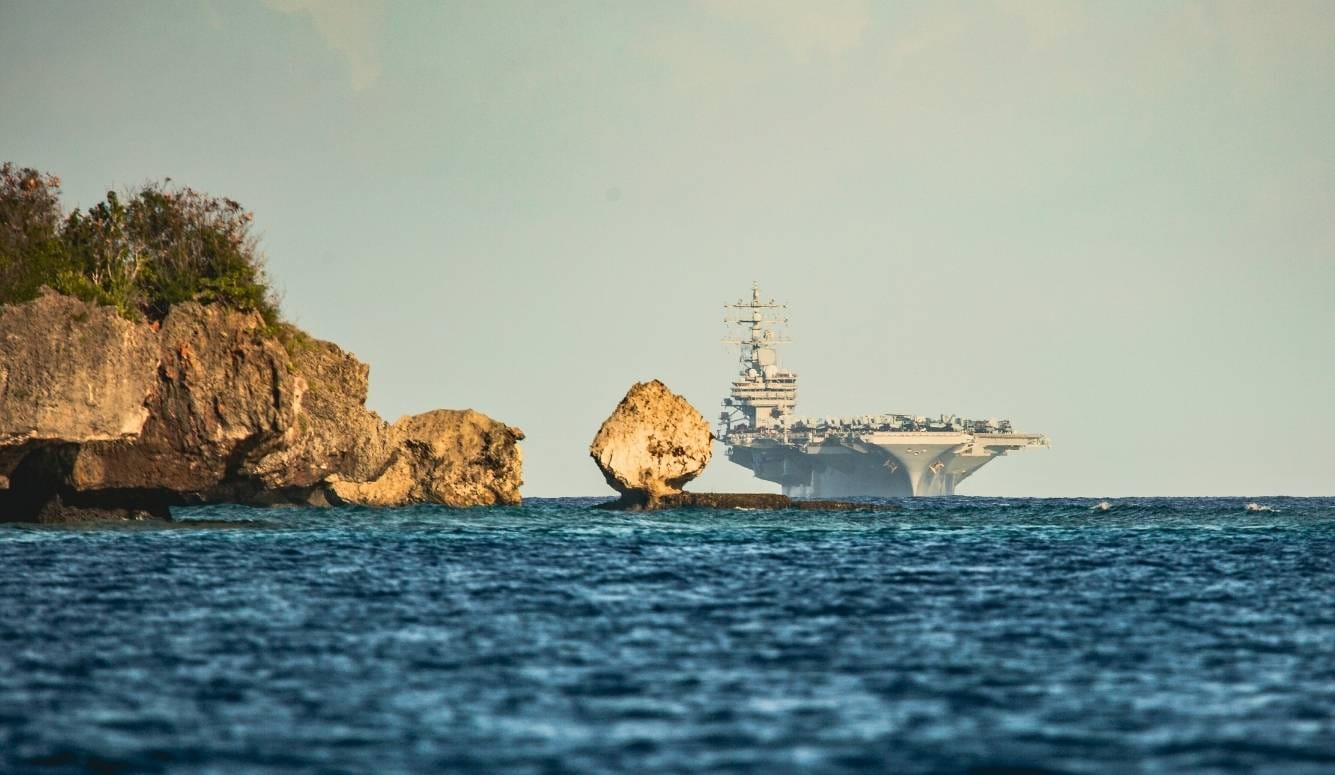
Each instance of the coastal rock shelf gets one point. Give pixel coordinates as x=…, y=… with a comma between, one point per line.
x=101, y=417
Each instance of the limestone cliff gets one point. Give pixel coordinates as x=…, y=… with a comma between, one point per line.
x=335, y=435
x=222, y=394
x=72, y=397
x=100, y=417
x=652, y=444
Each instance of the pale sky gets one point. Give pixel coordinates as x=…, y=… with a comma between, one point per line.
x=1113, y=223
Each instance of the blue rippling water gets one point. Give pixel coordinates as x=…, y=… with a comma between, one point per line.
x=1163, y=635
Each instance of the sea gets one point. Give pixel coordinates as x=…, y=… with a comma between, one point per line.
x=952, y=635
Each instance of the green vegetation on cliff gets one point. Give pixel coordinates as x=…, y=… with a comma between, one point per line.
x=157, y=246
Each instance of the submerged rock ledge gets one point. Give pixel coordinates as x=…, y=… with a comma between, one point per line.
x=758, y=500
x=101, y=417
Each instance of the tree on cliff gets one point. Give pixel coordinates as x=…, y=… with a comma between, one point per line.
x=159, y=246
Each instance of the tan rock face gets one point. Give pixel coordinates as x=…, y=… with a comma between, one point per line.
x=99, y=415
x=224, y=394
x=452, y=457
x=335, y=433
x=653, y=443
x=97, y=371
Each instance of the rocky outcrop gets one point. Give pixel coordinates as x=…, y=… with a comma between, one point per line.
x=653, y=443
x=335, y=436
x=101, y=417
x=458, y=458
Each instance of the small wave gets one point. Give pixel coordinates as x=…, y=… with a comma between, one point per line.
x=1102, y=506
x=1258, y=507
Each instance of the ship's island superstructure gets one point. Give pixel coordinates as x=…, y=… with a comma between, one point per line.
x=888, y=455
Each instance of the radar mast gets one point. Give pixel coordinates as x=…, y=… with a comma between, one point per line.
x=763, y=393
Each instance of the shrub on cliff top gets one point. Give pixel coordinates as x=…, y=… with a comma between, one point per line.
x=160, y=246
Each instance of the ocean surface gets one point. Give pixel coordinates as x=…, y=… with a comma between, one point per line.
x=956, y=635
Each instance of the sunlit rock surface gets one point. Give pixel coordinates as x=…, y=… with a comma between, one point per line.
x=72, y=372
x=453, y=457
x=652, y=444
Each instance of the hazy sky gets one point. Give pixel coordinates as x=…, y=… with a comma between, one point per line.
x=1110, y=222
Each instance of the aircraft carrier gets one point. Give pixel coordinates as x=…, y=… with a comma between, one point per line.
x=887, y=455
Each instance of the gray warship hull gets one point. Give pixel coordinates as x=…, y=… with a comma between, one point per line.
x=880, y=464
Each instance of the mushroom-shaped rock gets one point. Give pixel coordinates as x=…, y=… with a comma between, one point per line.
x=653, y=443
